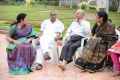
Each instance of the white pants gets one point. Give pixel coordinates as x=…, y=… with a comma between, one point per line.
x=46, y=42
x=40, y=56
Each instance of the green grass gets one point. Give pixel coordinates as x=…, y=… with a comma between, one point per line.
x=4, y=26
x=114, y=15
x=116, y=23
x=34, y=13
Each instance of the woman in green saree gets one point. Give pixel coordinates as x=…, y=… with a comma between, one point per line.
x=20, y=51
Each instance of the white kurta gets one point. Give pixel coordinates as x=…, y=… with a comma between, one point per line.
x=47, y=39
x=81, y=28
x=118, y=33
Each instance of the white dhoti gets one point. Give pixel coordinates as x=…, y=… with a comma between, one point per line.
x=46, y=42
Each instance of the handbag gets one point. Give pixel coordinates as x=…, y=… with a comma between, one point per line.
x=75, y=37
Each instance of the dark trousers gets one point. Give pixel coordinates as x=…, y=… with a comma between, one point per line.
x=68, y=50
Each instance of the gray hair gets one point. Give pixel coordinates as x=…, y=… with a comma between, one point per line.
x=53, y=11
x=81, y=12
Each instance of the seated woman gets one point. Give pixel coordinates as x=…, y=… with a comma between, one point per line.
x=94, y=54
x=20, y=52
x=95, y=26
x=114, y=53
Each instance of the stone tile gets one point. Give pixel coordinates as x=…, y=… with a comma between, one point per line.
x=50, y=71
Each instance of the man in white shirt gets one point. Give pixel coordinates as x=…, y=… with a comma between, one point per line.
x=51, y=30
x=79, y=28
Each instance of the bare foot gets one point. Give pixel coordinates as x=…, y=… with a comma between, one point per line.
x=62, y=67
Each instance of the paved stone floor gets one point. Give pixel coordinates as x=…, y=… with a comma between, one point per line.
x=50, y=71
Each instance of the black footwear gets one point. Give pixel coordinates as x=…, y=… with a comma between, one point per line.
x=91, y=68
x=39, y=67
x=80, y=64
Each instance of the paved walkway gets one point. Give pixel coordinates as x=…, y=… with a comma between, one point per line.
x=50, y=71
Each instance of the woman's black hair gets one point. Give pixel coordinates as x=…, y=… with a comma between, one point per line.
x=103, y=14
x=19, y=17
x=94, y=29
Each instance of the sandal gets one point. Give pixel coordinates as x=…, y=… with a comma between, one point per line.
x=39, y=67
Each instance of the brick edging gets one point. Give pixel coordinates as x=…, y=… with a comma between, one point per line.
x=3, y=32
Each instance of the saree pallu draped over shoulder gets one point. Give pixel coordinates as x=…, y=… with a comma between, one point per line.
x=21, y=57
x=94, y=55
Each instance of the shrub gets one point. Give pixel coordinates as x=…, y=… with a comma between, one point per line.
x=112, y=8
